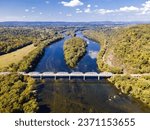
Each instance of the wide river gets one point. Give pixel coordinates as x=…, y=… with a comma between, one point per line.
x=78, y=95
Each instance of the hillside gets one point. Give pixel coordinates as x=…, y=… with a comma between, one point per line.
x=124, y=50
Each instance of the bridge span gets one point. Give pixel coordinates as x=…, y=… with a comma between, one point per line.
x=72, y=75
x=64, y=75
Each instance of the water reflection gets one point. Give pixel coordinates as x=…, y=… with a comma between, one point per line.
x=93, y=54
x=53, y=59
x=86, y=96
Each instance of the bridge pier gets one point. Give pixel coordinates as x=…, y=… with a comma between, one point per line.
x=41, y=77
x=84, y=78
x=69, y=77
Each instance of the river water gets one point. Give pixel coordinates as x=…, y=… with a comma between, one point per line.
x=54, y=61
x=78, y=95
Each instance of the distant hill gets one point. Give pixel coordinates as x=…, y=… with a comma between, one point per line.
x=24, y=23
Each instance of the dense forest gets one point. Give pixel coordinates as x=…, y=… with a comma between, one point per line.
x=124, y=50
x=17, y=94
x=74, y=49
x=136, y=87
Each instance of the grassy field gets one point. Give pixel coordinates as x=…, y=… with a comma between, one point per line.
x=15, y=57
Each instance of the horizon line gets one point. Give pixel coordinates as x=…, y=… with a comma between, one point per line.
x=75, y=21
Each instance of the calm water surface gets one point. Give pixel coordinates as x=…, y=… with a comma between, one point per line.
x=54, y=61
x=78, y=95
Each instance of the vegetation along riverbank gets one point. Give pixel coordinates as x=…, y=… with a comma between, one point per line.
x=125, y=50
x=17, y=94
x=27, y=61
x=74, y=49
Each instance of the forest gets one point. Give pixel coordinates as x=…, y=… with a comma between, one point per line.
x=17, y=94
x=15, y=38
x=139, y=88
x=74, y=49
x=124, y=50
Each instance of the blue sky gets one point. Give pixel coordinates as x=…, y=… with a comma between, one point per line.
x=75, y=10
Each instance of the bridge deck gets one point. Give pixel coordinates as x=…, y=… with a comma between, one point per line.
x=73, y=74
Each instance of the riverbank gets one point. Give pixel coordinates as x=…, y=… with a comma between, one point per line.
x=125, y=50
x=16, y=56
x=29, y=62
x=104, y=41
x=138, y=88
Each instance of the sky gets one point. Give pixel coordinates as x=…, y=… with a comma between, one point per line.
x=75, y=10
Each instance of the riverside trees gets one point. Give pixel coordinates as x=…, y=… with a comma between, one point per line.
x=126, y=50
x=17, y=94
x=74, y=49
x=123, y=50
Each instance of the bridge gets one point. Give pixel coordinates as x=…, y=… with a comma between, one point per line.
x=72, y=75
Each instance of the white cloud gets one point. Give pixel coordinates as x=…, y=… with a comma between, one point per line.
x=146, y=8
x=121, y=10
x=72, y=3
x=68, y=15
x=27, y=10
x=78, y=11
x=87, y=10
x=89, y=6
x=129, y=9
x=104, y=11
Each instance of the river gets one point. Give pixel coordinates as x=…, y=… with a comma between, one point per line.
x=78, y=95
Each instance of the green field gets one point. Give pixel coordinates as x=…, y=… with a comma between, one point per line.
x=16, y=56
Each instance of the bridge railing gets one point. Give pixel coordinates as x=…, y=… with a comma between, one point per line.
x=73, y=74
